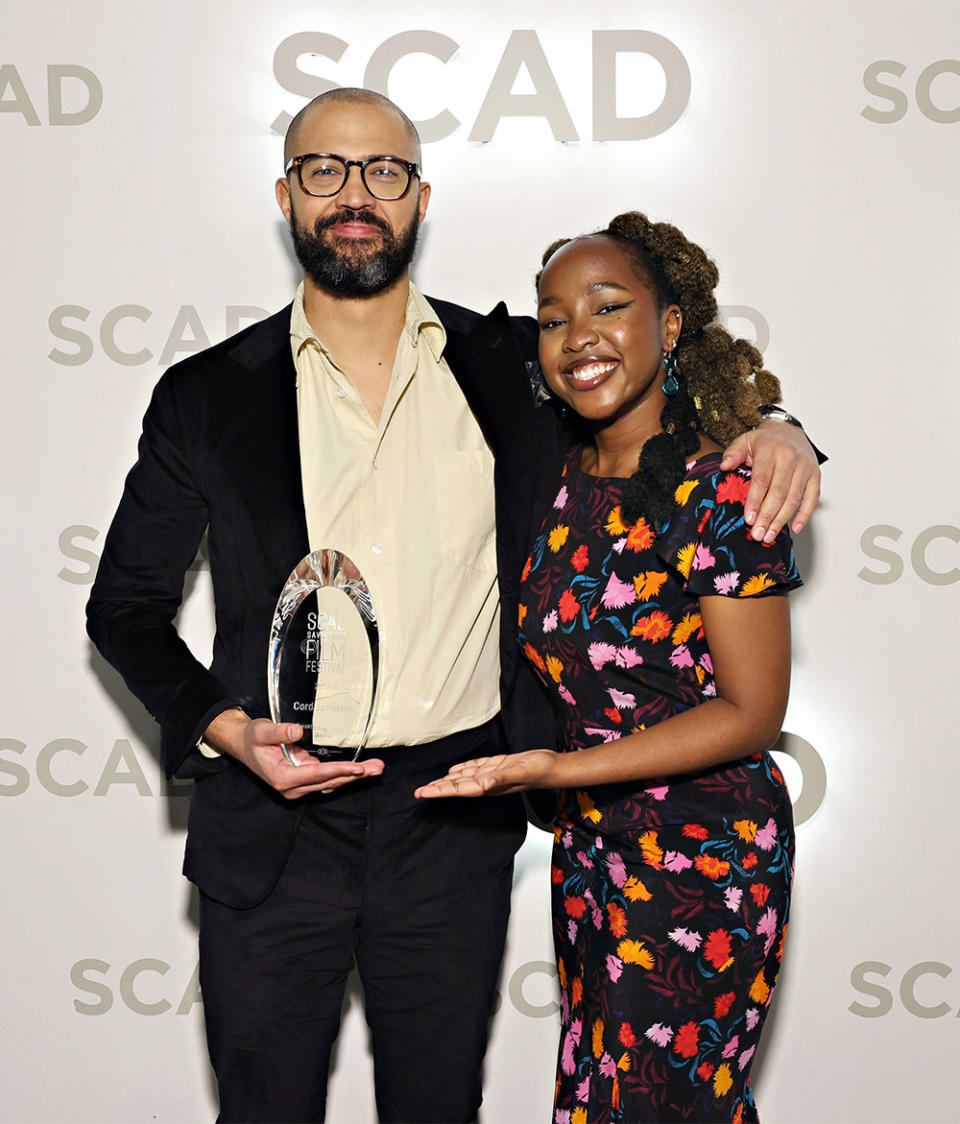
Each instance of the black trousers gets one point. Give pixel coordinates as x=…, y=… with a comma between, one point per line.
x=417, y=893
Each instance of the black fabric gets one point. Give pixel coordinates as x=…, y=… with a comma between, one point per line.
x=419, y=894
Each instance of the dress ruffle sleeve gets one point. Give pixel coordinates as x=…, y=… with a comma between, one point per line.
x=708, y=544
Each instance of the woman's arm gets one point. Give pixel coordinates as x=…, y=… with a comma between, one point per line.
x=749, y=641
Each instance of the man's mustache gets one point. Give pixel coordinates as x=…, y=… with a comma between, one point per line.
x=346, y=214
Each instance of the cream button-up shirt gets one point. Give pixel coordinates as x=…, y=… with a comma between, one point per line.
x=410, y=501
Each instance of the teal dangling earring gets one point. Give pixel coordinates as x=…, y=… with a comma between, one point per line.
x=670, y=384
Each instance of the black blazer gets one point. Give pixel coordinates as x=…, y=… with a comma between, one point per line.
x=219, y=451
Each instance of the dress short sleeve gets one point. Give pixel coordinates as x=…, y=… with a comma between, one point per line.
x=707, y=540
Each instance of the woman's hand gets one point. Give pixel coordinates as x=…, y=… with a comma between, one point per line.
x=496, y=776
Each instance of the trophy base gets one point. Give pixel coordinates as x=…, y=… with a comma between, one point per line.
x=322, y=752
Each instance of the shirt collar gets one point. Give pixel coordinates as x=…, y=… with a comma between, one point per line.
x=420, y=319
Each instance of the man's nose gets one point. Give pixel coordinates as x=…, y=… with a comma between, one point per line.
x=354, y=193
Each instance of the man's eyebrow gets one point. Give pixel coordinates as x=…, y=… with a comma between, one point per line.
x=594, y=288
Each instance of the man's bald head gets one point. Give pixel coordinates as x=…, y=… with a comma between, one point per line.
x=351, y=95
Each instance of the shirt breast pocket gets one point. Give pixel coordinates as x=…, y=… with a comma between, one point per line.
x=464, y=483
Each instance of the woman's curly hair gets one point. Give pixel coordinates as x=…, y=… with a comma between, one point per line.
x=722, y=379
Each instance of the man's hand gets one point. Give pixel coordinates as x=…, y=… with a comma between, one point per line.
x=495, y=776
x=257, y=743
x=785, y=477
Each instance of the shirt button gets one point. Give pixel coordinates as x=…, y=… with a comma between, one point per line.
x=342, y=392
x=377, y=547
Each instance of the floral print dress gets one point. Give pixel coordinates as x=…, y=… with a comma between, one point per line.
x=670, y=896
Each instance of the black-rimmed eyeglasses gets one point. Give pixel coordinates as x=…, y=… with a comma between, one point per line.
x=323, y=174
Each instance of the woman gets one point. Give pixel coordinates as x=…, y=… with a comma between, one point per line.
x=653, y=620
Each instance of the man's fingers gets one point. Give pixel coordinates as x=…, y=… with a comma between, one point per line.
x=811, y=497
x=736, y=453
x=768, y=491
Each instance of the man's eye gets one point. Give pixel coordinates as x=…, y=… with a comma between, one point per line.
x=383, y=172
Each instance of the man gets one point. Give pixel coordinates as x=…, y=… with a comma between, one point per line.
x=363, y=418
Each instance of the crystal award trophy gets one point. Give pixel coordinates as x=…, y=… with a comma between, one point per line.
x=323, y=662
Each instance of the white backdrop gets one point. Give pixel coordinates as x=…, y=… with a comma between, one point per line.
x=812, y=148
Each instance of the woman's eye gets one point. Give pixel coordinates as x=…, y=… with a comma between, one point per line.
x=545, y=325
x=609, y=308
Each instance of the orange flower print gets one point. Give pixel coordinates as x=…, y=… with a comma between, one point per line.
x=579, y=1115
x=555, y=668
x=651, y=850
x=636, y=891
x=588, y=809
x=576, y=992
x=722, y=1081
x=716, y=950
x=733, y=488
x=712, y=867
x=686, y=1042
x=534, y=657
x=690, y=624
x=526, y=570
x=576, y=907
x=624, y=1062
x=722, y=1004
x=635, y=952
x=746, y=829
x=685, y=558
x=569, y=606
x=695, y=831
x=615, y=524
x=649, y=583
x=626, y=1035
x=760, y=989
x=580, y=559
x=597, y=1038
x=749, y=860
x=757, y=584
x=738, y=1114
x=613, y=714
x=557, y=537
x=618, y=919
x=640, y=536
x=556, y=875
x=682, y=494
x=654, y=626
x=705, y=1071
x=521, y=615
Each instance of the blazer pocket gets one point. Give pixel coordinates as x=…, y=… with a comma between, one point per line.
x=464, y=484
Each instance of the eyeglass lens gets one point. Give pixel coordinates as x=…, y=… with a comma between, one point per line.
x=325, y=175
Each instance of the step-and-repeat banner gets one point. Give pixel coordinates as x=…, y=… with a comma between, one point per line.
x=813, y=148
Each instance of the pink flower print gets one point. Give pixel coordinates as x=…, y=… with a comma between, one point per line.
x=567, y=840
x=572, y=931
x=622, y=700
x=576, y=1030
x=767, y=835
x=619, y=545
x=709, y=690
x=562, y=1115
x=565, y=695
x=608, y=1067
x=584, y=861
x=733, y=895
x=767, y=925
x=561, y=500
x=627, y=657
x=604, y=735
x=566, y=1055
x=583, y=1089
x=618, y=593
x=659, y=1033
x=745, y=1057
x=600, y=654
x=614, y=967
x=658, y=793
x=618, y=871
x=597, y=917
x=550, y=621
x=703, y=559
x=686, y=939
x=564, y=1007
x=706, y=663
x=753, y=1017
x=676, y=862
x=731, y=1047
x=725, y=584
x=680, y=656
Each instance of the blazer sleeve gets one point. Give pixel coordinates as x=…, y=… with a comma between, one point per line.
x=150, y=545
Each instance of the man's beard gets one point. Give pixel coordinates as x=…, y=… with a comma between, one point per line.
x=350, y=267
